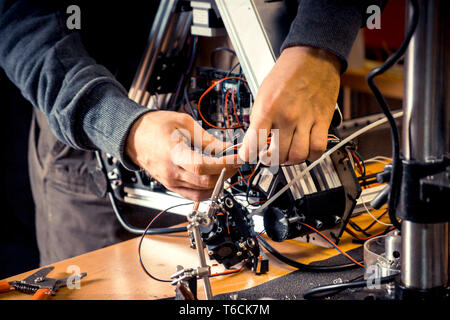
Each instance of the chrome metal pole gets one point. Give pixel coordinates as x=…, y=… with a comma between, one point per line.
x=425, y=255
x=427, y=92
x=426, y=138
x=203, y=265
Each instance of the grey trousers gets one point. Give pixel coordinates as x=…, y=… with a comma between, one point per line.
x=72, y=214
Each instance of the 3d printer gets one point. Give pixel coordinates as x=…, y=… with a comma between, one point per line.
x=284, y=201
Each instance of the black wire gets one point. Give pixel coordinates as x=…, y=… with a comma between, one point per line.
x=396, y=165
x=335, y=291
x=138, y=231
x=146, y=232
x=249, y=187
x=232, y=69
x=368, y=176
x=374, y=221
x=118, y=214
x=358, y=228
x=362, y=162
x=188, y=102
x=213, y=61
x=326, y=290
x=304, y=267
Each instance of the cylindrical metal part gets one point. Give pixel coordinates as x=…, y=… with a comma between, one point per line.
x=424, y=255
x=426, y=135
x=202, y=258
x=426, y=138
x=393, y=247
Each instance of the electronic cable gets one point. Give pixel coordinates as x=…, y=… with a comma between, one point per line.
x=350, y=232
x=305, y=267
x=139, y=231
x=146, y=232
x=326, y=290
x=357, y=228
x=206, y=92
x=188, y=102
x=332, y=292
x=301, y=266
x=118, y=214
x=333, y=244
x=375, y=221
x=324, y=155
x=234, y=67
x=213, y=53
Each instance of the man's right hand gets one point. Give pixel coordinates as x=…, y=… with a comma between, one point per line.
x=157, y=143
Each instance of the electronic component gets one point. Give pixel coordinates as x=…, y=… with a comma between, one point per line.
x=324, y=198
x=205, y=19
x=231, y=238
x=229, y=102
x=222, y=100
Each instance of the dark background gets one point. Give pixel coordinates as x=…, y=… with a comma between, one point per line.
x=18, y=248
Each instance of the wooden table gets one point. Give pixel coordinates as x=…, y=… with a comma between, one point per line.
x=115, y=273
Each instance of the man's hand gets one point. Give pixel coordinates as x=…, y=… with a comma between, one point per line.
x=160, y=143
x=298, y=98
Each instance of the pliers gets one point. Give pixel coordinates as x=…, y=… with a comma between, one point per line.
x=38, y=284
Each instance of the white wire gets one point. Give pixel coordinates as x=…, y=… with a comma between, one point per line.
x=352, y=161
x=324, y=155
x=224, y=152
x=379, y=159
x=382, y=157
x=370, y=214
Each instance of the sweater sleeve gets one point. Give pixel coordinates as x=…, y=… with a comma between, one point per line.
x=329, y=24
x=86, y=107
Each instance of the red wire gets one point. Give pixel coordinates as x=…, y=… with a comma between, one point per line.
x=228, y=272
x=196, y=204
x=228, y=227
x=261, y=233
x=235, y=112
x=358, y=162
x=333, y=244
x=243, y=179
x=227, y=119
x=350, y=232
x=206, y=92
x=256, y=202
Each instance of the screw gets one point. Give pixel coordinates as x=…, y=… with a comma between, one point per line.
x=318, y=224
x=38, y=279
x=228, y=202
x=337, y=219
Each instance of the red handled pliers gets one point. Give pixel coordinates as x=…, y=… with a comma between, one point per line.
x=38, y=284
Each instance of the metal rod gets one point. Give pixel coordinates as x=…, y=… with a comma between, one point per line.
x=148, y=61
x=426, y=132
x=424, y=255
x=202, y=259
x=424, y=261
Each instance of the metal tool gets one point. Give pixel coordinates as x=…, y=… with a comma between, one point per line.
x=218, y=190
x=39, y=285
x=184, y=277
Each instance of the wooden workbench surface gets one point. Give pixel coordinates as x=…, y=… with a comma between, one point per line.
x=114, y=272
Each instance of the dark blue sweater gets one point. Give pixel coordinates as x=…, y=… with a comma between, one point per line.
x=86, y=106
